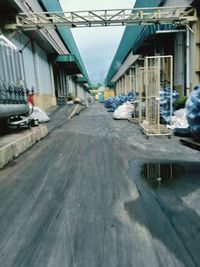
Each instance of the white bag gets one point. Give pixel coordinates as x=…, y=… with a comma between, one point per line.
x=39, y=115
x=124, y=112
x=179, y=119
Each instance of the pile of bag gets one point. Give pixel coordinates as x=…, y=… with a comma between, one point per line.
x=193, y=112
x=124, y=112
x=179, y=120
x=39, y=115
x=165, y=100
x=112, y=103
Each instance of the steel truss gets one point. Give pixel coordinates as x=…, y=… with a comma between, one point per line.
x=98, y=18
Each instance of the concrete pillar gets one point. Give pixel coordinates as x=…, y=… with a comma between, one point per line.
x=36, y=69
x=52, y=79
x=117, y=88
x=130, y=81
x=125, y=84
x=194, y=55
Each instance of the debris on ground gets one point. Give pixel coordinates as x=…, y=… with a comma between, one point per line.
x=77, y=101
x=193, y=112
x=39, y=115
x=124, y=112
x=71, y=102
x=76, y=111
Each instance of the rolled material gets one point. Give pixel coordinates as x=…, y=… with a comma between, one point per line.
x=8, y=110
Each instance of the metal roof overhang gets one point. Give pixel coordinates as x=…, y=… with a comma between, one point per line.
x=67, y=37
x=148, y=32
x=84, y=83
x=125, y=66
x=69, y=63
x=81, y=80
x=42, y=41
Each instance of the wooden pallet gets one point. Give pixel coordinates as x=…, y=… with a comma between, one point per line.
x=191, y=143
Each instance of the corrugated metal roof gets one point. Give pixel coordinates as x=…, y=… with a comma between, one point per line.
x=65, y=33
x=130, y=36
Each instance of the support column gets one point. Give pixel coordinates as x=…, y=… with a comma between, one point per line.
x=125, y=83
x=130, y=81
x=36, y=71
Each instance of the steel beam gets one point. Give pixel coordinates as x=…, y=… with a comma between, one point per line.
x=100, y=18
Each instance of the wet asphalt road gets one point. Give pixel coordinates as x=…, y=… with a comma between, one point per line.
x=77, y=199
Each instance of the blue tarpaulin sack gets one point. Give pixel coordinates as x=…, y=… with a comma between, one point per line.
x=193, y=112
x=165, y=106
x=112, y=103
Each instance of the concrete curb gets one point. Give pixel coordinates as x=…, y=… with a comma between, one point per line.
x=14, y=146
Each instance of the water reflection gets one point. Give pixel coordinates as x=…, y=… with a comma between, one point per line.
x=158, y=174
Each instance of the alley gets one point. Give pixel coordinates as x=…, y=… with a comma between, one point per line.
x=77, y=199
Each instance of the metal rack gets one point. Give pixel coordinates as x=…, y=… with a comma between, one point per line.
x=158, y=73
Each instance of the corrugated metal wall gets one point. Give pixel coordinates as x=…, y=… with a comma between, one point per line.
x=11, y=90
x=36, y=66
x=44, y=71
x=23, y=44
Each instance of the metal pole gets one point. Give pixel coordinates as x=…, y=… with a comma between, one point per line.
x=158, y=94
x=146, y=82
x=171, y=86
x=187, y=61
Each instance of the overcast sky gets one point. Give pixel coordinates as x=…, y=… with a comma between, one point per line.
x=97, y=46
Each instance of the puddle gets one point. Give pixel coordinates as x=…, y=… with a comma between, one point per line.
x=160, y=174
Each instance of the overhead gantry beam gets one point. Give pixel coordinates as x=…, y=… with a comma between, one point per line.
x=98, y=18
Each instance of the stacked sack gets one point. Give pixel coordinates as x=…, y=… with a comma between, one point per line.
x=165, y=100
x=112, y=103
x=193, y=112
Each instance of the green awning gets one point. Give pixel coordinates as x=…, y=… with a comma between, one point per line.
x=81, y=80
x=69, y=63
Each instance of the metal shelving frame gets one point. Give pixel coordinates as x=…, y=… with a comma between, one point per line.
x=158, y=73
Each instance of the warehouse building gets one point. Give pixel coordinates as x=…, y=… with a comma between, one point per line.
x=178, y=41
x=44, y=61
